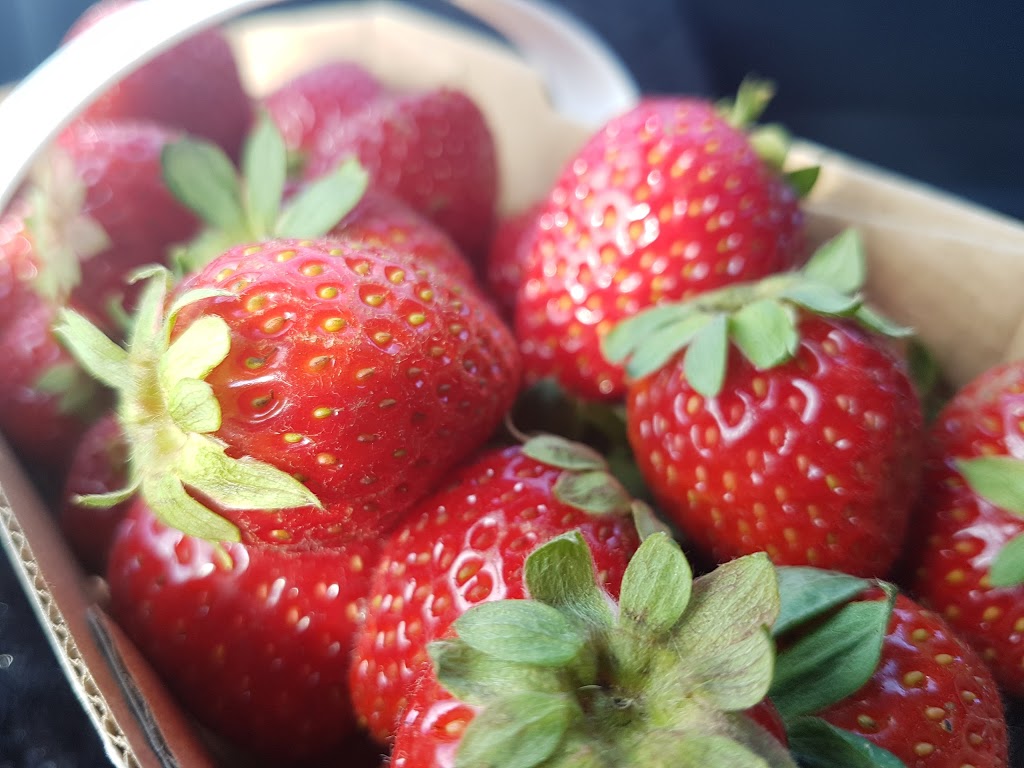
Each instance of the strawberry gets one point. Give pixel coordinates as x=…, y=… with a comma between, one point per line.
x=433, y=149
x=664, y=202
x=779, y=429
x=253, y=641
x=98, y=465
x=967, y=564
x=195, y=86
x=260, y=205
x=866, y=677
x=506, y=257
x=46, y=400
x=316, y=99
x=18, y=266
x=314, y=390
x=466, y=544
x=666, y=675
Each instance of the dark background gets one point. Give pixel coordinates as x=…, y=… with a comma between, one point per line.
x=931, y=88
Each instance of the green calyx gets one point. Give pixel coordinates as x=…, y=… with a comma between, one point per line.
x=169, y=415
x=62, y=235
x=250, y=207
x=585, y=482
x=760, y=318
x=569, y=677
x=771, y=141
x=831, y=646
x=999, y=480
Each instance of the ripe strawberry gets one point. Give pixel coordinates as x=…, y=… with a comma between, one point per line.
x=314, y=390
x=253, y=641
x=867, y=666
x=336, y=205
x=464, y=545
x=18, y=267
x=674, y=673
x=46, y=400
x=98, y=465
x=316, y=99
x=970, y=521
x=506, y=258
x=434, y=150
x=779, y=429
x=665, y=202
x=194, y=86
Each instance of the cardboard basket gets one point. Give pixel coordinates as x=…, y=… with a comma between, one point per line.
x=951, y=270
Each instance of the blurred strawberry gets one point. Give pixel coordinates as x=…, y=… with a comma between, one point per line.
x=99, y=465
x=195, y=86
x=434, y=150
x=315, y=100
x=506, y=258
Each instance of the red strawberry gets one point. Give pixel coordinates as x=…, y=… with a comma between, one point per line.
x=98, y=465
x=195, y=86
x=315, y=100
x=506, y=258
x=461, y=546
x=434, y=150
x=885, y=672
x=970, y=521
x=665, y=202
x=253, y=641
x=46, y=400
x=779, y=429
x=118, y=165
x=308, y=373
x=570, y=677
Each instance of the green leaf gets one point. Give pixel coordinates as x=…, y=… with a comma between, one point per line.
x=664, y=343
x=560, y=573
x=191, y=297
x=557, y=451
x=833, y=660
x=167, y=497
x=109, y=499
x=878, y=323
x=478, y=678
x=765, y=332
x=752, y=98
x=193, y=406
x=997, y=479
x=821, y=298
x=646, y=522
x=819, y=744
x=75, y=390
x=593, y=491
x=806, y=593
x=198, y=350
x=318, y=208
x=264, y=170
x=93, y=350
x=656, y=586
x=724, y=634
x=840, y=263
x=521, y=631
x=771, y=143
x=1007, y=569
x=202, y=177
x=624, y=338
x=241, y=484
x=714, y=751
x=149, y=331
x=707, y=356
x=803, y=180
x=521, y=730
